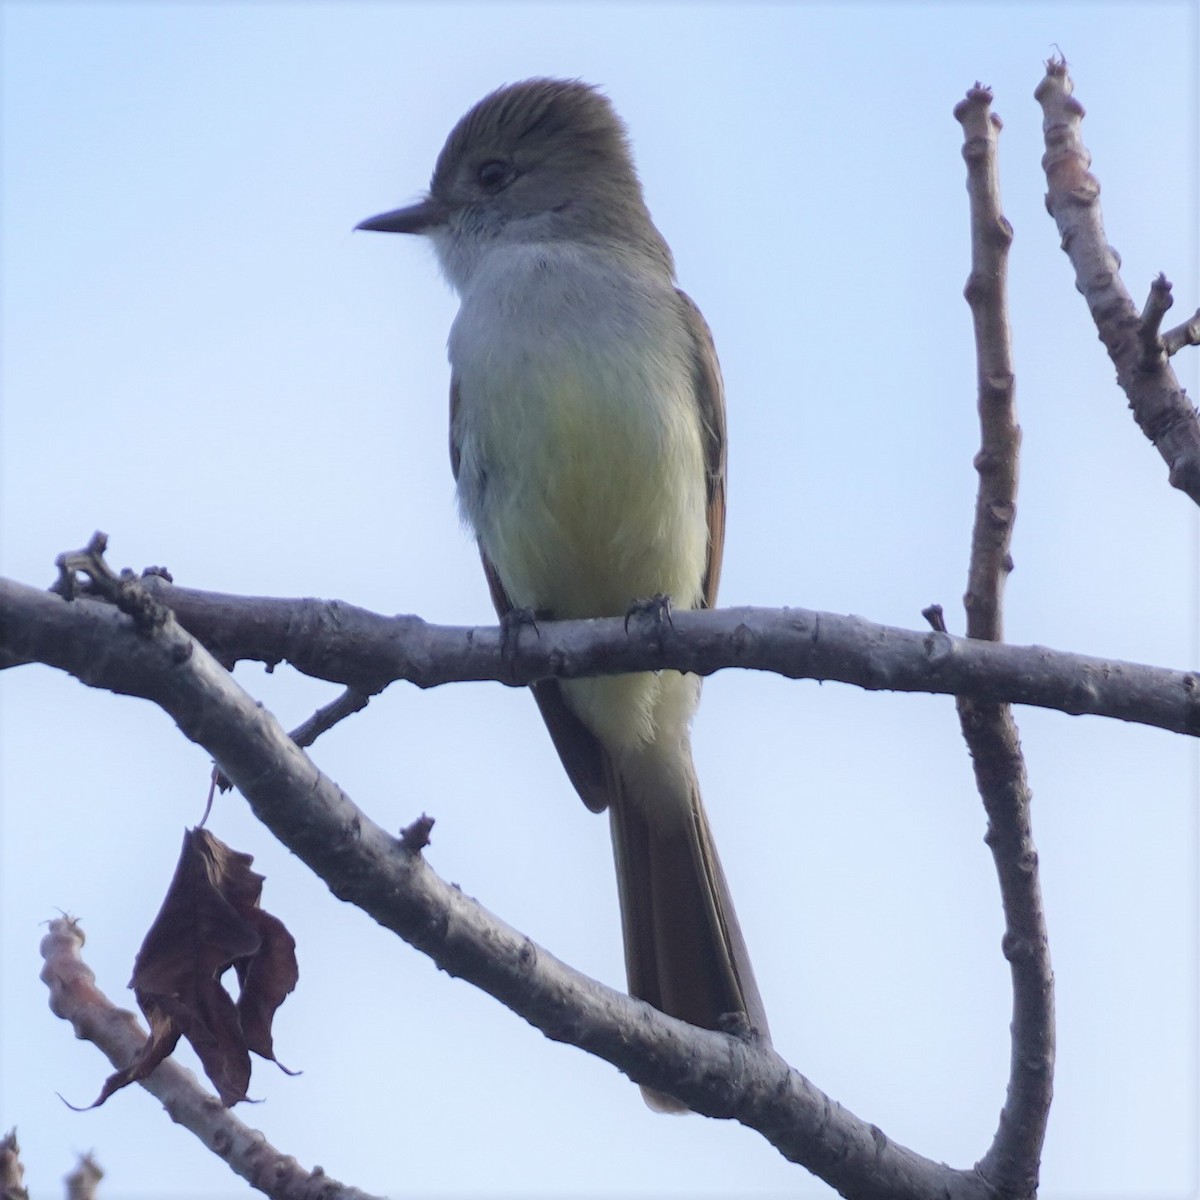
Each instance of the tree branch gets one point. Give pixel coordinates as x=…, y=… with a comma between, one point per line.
x=1160, y=406
x=1185, y=334
x=338, y=642
x=1158, y=304
x=83, y=1179
x=1012, y=1161
x=75, y=998
x=717, y=1074
x=985, y=292
x=12, y=1171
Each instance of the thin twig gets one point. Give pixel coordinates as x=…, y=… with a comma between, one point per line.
x=352, y=700
x=1012, y=1162
x=1160, y=406
x=75, y=998
x=1185, y=334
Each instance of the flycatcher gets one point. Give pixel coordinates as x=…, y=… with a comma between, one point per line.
x=587, y=439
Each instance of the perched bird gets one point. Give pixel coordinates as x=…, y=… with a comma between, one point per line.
x=587, y=439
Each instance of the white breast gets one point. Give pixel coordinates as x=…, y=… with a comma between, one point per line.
x=581, y=459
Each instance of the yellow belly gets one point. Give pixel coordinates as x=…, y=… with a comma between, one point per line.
x=593, y=504
x=596, y=503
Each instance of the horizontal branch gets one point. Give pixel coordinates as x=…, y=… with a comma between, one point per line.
x=717, y=1074
x=338, y=642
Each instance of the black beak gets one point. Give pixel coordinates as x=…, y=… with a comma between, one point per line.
x=416, y=218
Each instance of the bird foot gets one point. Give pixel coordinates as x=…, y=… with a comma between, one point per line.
x=656, y=607
x=511, y=624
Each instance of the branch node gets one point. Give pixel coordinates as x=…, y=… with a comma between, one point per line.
x=123, y=590
x=1153, y=352
x=415, y=837
x=935, y=614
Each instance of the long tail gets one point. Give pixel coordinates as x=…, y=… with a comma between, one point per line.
x=684, y=950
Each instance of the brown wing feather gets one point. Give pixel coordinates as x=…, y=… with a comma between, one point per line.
x=583, y=757
x=455, y=455
x=710, y=397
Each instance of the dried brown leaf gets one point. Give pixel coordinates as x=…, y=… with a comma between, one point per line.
x=265, y=980
x=210, y=920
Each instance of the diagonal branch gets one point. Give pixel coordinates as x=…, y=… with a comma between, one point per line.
x=1185, y=334
x=717, y=1074
x=1160, y=406
x=75, y=998
x=1012, y=1162
x=338, y=642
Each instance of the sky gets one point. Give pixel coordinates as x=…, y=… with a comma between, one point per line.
x=202, y=359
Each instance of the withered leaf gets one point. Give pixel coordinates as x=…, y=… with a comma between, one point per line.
x=210, y=920
x=264, y=981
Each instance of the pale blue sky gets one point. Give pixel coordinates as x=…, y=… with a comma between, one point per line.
x=203, y=360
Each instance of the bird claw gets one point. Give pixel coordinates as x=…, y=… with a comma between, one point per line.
x=511, y=624
x=657, y=607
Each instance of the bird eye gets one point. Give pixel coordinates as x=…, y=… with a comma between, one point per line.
x=492, y=175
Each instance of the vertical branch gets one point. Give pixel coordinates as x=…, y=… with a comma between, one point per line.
x=1012, y=1162
x=1160, y=406
x=986, y=294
